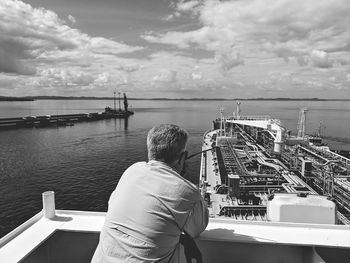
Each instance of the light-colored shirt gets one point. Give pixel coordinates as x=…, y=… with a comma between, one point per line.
x=149, y=209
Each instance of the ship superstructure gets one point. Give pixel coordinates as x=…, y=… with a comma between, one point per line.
x=248, y=159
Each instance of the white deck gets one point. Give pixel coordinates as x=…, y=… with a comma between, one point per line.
x=29, y=236
x=24, y=239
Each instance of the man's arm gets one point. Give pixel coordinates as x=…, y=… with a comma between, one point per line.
x=198, y=219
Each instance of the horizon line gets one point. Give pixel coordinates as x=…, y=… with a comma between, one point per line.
x=164, y=98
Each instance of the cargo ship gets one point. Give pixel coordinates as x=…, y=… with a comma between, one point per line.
x=248, y=161
x=272, y=198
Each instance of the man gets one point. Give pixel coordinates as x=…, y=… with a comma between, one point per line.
x=153, y=204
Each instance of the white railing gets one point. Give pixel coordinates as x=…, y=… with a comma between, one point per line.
x=254, y=118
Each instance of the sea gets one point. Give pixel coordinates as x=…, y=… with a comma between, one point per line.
x=84, y=162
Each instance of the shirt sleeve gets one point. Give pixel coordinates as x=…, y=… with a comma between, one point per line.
x=197, y=220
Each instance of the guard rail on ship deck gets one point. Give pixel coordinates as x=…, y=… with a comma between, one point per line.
x=257, y=117
x=73, y=236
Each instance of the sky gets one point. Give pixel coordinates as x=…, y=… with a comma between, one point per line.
x=175, y=49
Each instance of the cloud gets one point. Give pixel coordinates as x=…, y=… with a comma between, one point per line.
x=320, y=59
x=342, y=61
x=172, y=16
x=72, y=19
x=107, y=79
x=183, y=6
x=232, y=44
x=196, y=75
x=229, y=60
x=10, y=83
x=11, y=53
x=342, y=78
x=206, y=37
x=100, y=45
x=259, y=28
x=58, y=77
x=348, y=77
x=28, y=34
x=165, y=76
x=129, y=68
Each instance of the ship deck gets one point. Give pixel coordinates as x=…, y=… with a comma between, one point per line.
x=238, y=156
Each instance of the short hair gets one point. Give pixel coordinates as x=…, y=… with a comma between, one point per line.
x=166, y=142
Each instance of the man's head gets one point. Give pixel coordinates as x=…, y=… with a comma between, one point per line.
x=166, y=143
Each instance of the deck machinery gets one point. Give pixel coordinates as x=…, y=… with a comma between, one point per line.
x=248, y=159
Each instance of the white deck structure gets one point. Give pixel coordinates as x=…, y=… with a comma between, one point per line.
x=71, y=236
x=273, y=126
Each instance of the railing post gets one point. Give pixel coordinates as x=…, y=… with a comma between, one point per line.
x=49, y=204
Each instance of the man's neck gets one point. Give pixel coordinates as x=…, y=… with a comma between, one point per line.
x=173, y=165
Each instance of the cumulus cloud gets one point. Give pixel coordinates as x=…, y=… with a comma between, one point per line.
x=72, y=19
x=196, y=75
x=108, y=79
x=166, y=76
x=229, y=60
x=320, y=59
x=29, y=33
x=172, y=16
x=343, y=61
x=208, y=38
x=129, y=68
x=239, y=84
x=100, y=45
x=259, y=28
x=185, y=6
x=9, y=83
x=11, y=55
x=348, y=77
x=58, y=77
x=265, y=36
x=342, y=78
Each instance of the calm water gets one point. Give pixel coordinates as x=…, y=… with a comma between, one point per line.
x=83, y=163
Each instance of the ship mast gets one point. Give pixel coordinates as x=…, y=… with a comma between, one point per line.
x=119, y=101
x=223, y=129
x=238, y=111
x=302, y=123
x=318, y=130
x=114, y=100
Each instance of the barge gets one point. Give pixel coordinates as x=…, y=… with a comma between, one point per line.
x=67, y=119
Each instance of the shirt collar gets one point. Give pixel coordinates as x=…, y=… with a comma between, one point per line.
x=167, y=166
x=160, y=163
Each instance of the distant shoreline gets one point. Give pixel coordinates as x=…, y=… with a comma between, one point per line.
x=15, y=99
x=33, y=98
